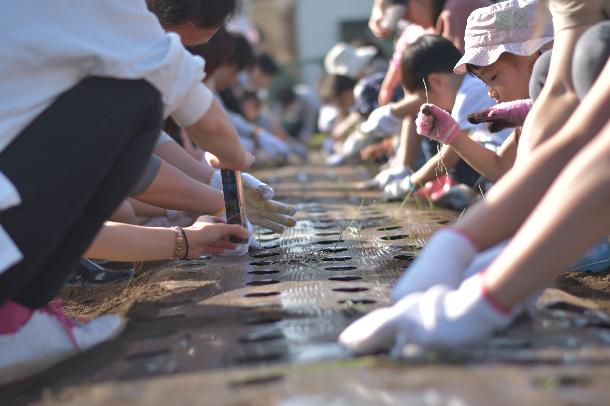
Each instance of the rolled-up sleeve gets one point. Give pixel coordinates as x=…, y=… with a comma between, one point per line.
x=139, y=49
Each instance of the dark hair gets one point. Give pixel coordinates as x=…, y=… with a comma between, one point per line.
x=332, y=86
x=225, y=48
x=202, y=13
x=473, y=70
x=250, y=95
x=429, y=54
x=267, y=64
x=243, y=54
x=286, y=95
x=437, y=9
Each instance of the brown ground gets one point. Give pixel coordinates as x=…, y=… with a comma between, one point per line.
x=196, y=335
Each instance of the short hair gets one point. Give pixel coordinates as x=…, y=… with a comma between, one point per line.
x=267, y=64
x=250, y=95
x=332, y=86
x=202, y=13
x=286, y=95
x=225, y=48
x=429, y=54
x=243, y=54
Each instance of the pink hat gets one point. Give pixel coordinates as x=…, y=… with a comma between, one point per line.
x=519, y=27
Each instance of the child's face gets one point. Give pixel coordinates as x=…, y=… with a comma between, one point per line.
x=442, y=89
x=508, y=78
x=225, y=76
x=251, y=109
x=345, y=101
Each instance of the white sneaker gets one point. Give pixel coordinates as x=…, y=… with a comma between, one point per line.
x=49, y=336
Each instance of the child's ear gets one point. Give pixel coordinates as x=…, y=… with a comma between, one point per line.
x=435, y=81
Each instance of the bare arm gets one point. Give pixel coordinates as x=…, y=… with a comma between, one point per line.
x=408, y=106
x=178, y=157
x=514, y=197
x=125, y=242
x=215, y=133
x=575, y=208
x=173, y=189
x=375, y=19
x=390, y=82
x=436, y=166
x=558, y=98
x=142, y=209
x=488, y=163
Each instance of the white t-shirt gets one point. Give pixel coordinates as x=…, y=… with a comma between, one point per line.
x=471, y=97
x=47, y=47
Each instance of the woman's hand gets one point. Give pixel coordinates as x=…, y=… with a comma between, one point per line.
x=212, y=238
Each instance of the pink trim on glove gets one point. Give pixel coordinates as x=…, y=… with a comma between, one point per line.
x=466, y=235
x=500, y=308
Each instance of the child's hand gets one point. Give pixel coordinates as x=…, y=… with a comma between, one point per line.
x=212, y=238
x=503, y=115
x=436, y=124
x=438, y=318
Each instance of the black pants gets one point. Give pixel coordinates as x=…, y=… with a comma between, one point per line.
x=72, y=167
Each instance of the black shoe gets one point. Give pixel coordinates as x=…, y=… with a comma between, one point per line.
x=89, y=273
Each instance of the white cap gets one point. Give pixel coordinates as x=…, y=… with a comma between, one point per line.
x=346, y=60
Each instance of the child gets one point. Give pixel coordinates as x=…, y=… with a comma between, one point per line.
x=428, y=73
x=554, y=206
x=503, y=59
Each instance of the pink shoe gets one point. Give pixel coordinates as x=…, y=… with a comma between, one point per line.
x=436, y=188
x=33, y=340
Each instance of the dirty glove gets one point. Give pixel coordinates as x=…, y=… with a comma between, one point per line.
x=260, y=209
x=503, y=115
x=436, y=124
x=438, y=318
x=442, y=262
x=381, y=122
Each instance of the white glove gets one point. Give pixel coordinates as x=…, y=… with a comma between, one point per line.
x=383, y=178
x=438, y=318
x=381, y=122
x=398, y=189
x=442, y=262
x=249, y=182
x=260, y=209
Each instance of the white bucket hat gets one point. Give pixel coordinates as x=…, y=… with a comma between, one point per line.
x=346, y=60
x=519, y=27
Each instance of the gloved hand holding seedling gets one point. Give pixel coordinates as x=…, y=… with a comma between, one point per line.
x=436, y=124
x=260, y=208
x=503, y=115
